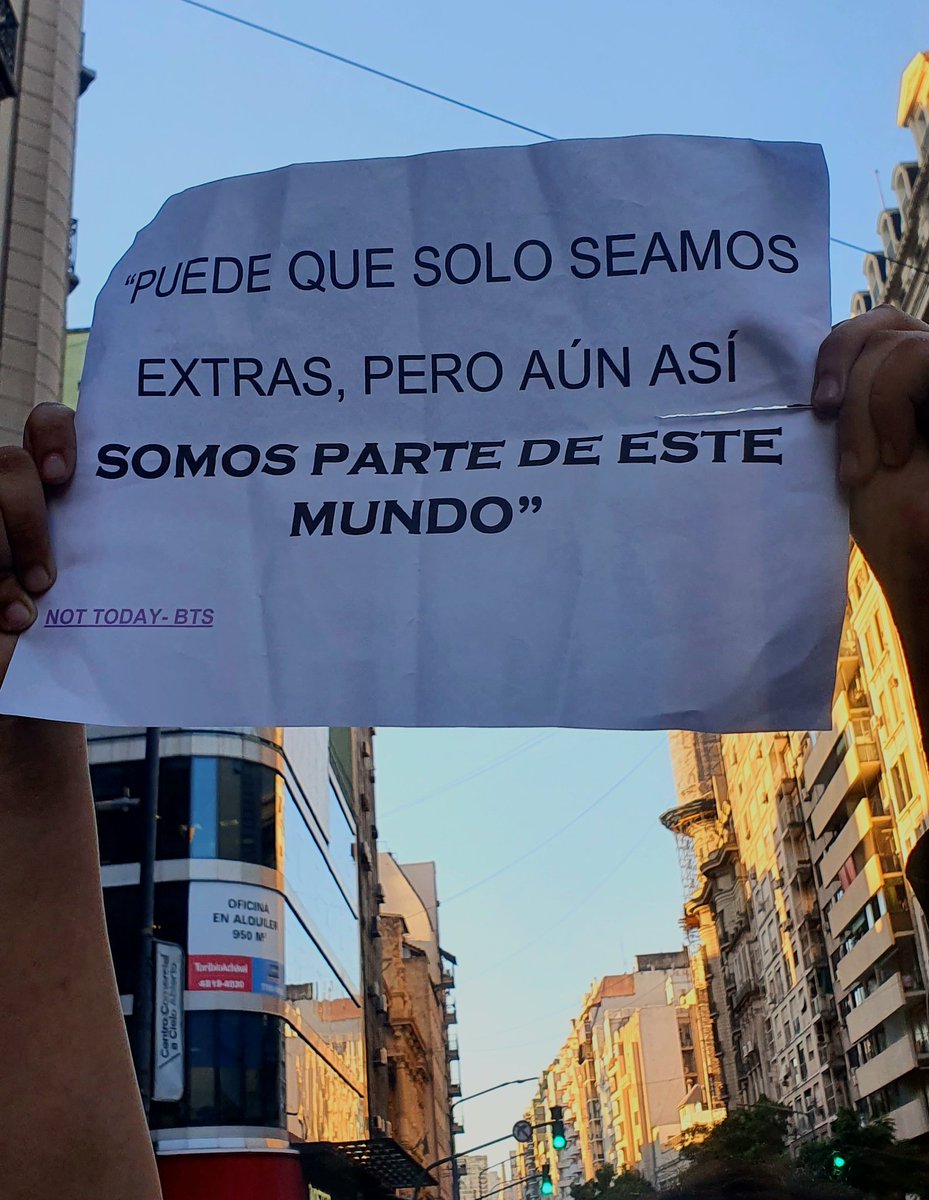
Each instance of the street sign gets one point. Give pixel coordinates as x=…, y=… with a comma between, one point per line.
x=169, y=1022
x=522, y=1131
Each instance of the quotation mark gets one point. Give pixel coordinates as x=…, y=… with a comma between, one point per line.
x=130, y=281
x=526, y=501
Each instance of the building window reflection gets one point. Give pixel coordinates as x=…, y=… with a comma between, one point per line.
x=207, y=808
x=319, y=895
x=341, y=840
x=235, y=1073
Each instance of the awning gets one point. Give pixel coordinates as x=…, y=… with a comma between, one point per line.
x=377, y=1165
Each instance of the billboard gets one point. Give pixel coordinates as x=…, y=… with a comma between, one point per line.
x=235, y=939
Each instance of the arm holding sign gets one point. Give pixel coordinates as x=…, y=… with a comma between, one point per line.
x=872, y=375
x=73, y=1124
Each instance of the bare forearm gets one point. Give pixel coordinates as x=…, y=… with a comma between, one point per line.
x=68, y=1070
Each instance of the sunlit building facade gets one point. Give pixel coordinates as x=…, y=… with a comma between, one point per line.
x=421, y=1053
x=632, y=1075
x=811, y=831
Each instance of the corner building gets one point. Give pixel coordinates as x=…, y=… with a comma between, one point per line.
x=265, y=864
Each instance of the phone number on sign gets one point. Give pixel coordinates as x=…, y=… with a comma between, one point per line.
x=130, y=618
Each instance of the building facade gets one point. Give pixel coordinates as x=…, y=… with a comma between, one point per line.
x=421, y=1057
x=478, y=1177
x=41, y=76
x=630, y=1077
x=801, y=838
x=264, y=868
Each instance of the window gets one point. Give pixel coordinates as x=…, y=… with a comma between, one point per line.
x=121, y=907
x=889, y=708
x=322, y=900
x=341, y=840
x=321, y=998
x=232, y=810
x=871, y=650
x=900, y=777
x=234, y=1072
x=207, y=808
x=119, y=827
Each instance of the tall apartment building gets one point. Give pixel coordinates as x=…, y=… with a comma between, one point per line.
x=801, y=903
x=265, y=865
x=478, y=1177
x=631, y=1075
x=40, y=79
x=810, y=832
x=865, y=794
x=420, y=1055
x=714, y=890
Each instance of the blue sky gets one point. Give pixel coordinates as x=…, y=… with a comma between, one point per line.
x=183, y=97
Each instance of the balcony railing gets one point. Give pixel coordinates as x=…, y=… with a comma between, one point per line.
x=9, y=36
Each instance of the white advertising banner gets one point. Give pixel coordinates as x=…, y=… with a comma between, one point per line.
x=502, y=437
x=168, y=1083
x=235, y=939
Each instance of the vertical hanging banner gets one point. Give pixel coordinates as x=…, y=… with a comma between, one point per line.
x=502, y=437
x=168, y=1081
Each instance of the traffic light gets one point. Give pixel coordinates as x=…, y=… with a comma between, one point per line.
x=559, y=1141
x=546, y=1187
x=838, y=1162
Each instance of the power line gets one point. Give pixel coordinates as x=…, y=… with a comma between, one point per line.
x=360, y=66
x=475, y=774
x=864, y=250
x=428, y=910
x=566, y=916
x=560, y=830
x=417, y=87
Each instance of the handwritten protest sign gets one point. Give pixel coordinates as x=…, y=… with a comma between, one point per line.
x=459, y=439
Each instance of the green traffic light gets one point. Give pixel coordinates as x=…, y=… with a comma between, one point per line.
x=838, y=1161
x=547, y=1187
x=559, y=1141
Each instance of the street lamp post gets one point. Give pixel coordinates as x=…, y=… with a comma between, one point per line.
x=143, y=1003
x=496, y=1087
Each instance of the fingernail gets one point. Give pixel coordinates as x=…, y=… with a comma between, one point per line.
x=17, y=616
x=889, y=454
x=36, y=579
x=54, y=469
x=828, y=394
x=848, y=467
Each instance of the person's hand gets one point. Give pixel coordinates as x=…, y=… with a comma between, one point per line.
x=872, y=376
x=27, y=566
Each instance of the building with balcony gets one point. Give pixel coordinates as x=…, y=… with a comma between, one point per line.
x=794, y=1011
x=864, y=793
x=41, y=77
x=897, y=272
x=714, y=886
x=264, y=868
x=632, y=1064
x=752, y=903
x=421, y=1054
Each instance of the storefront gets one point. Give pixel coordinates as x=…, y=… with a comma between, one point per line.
x=362, y=1170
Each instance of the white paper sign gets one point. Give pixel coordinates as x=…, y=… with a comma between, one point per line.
x=235, y=939
x=395, y=443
